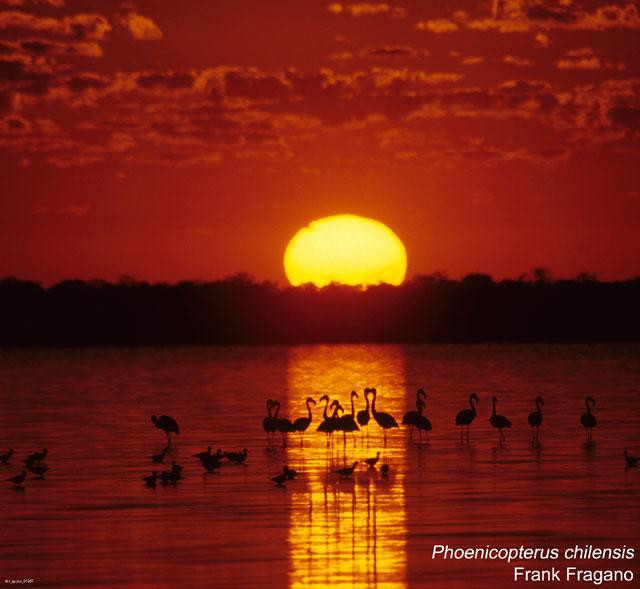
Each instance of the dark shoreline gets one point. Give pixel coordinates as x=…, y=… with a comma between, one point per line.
x=239, y=311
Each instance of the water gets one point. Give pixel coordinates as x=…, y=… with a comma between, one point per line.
x=92, y=521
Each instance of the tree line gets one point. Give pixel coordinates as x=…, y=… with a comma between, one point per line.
x=239, y=310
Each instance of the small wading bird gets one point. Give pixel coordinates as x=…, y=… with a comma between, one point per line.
x=631, y=461
x=159, y=458
x=347, y=422
x=38, y=469
x=410, y=418
x=36, y=457
x=237, y=457
x=211, y=463
x=384, y=420
x=18, y=479
x=201, y=455
x=302, y=423
x=347, y=471
x=4, y=458
x=269, y=423
x=280, y=479
x=150, y=481
x=290, y=473
x=588, y=419
x=466, y=416
x=535, y=420
x=167, y=424
x=500, y=422
x=371, y=462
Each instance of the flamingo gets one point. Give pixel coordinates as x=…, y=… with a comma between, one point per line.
x=500, y=422
x=535, y=420
x=410, y=417
x=588, y=419
x=347, y=471
x=302, y=423
x=631, y=461
x=371, y=462
x=422, y=423
x=328, y=423
x=347, y=422
x=384, y=420
x=269, y=423
x=18, y=479
x=466, y=416
x=4, y=458
x=283, y=425
x=167, y=424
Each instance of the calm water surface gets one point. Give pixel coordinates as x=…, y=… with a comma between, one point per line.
x=93, y=522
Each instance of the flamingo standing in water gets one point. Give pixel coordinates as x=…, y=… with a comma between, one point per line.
x=363, y=415
x=269, y=423
x=384, y=420
x=422, y=423
x=167, y=424
x=588, y=419
x=410, y=418
x=535, y=420
x=302, y=423
x=326, y=426
x=347, y=422
x=466, y=416
x=500, y=422
x=283, y=425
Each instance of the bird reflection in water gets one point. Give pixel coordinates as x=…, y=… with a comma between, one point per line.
x=346, y=529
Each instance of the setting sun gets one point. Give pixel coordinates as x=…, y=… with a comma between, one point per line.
x=346, y=249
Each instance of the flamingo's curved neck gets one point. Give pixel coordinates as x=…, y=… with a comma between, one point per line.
x=494, y=407
x=587, y=402
x=366, y=398
x=277, y=406
x=373, y=402
x=326, y=406
x=353, y=407
x=473, y=406
x=269, y=407
x=309, y=410
x=539, y=406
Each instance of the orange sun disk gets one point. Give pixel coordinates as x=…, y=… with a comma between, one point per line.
x=346, y=249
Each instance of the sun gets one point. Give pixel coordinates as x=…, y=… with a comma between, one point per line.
x=346, y=249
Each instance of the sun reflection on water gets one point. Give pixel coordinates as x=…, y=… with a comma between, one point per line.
x=352, y=531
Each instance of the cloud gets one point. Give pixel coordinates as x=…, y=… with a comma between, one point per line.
x=517, y=61
x=141, y=27
x=81, y=26
x=367, y=9
x=438, y=26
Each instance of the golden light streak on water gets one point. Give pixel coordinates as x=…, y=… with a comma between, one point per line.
x=347, y=532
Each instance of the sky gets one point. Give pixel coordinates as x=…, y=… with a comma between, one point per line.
x=170, y=140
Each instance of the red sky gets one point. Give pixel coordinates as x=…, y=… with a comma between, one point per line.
x=190, y=140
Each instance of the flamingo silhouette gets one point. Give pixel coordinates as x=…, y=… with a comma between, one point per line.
x=410, y=418
x=327, y=425
x=535, y=420
x=422, y=423
x=363, y=415
x=283, y=425
x=384, y=420
x=159, y=458
x=588, y=419
x=466, y=416
x=167, y=424
x=347, y=422
x=302, y=423
x=500, y=422
x=269, y=423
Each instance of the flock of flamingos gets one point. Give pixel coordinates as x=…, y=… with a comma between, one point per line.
x=334, y=420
